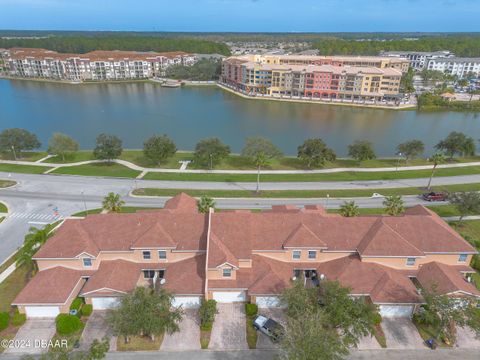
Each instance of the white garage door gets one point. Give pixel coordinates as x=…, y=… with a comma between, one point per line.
x=187, y=302
x=267, y=301
x=396, y=311
x=102, y=303
x=229, y=296
x=42, y=311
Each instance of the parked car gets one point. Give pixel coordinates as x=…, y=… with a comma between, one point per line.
x=269, y=327
x=434, y=196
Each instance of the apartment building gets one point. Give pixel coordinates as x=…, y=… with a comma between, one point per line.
x=460, y=67
x=236, y=256
x=95, y=65
x=313, y=76
x=418, y=59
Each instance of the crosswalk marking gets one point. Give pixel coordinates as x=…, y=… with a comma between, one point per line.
x=33, y=216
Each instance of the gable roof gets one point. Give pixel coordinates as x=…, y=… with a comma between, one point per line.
x=447, y=279
x=50, y=286
x=382, y=240
x=303, y=237
x=219, y=253
x=154, y=237
x=181, y=203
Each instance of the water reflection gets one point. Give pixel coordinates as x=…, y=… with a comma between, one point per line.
x=136, y=111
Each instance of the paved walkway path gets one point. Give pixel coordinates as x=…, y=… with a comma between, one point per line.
x=198, y=171
x=456, y=218
x=7, y=272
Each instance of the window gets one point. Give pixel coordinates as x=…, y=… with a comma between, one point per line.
x=146, y=255
x=227, y=272
x=462, y=258
x=162, y=254
x=410, y=261
x=87, y=262
x=296, y=254
x=148, y=274
x=312, y=254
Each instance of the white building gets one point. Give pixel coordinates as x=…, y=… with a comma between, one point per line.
x=418, y=59
x=460, y=67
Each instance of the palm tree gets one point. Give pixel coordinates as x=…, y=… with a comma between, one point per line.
x=394, y=205
x=205, y=204
x=349, y=209
x=112, y=202
x=437, y=159
x=33, y=240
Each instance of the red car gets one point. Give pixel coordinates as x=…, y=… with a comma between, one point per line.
x=434, y=196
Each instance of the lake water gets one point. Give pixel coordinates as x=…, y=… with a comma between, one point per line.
x=135, y=111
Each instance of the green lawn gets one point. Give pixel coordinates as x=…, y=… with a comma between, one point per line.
x=238, y=162
x=25, y=169
x=140, y=343
x=300, y=193
x=342, y=176
x=24, y=156
x=114, y=170
x=12, y=286
x=3, y=208
x=124, y=210
x=6, y=183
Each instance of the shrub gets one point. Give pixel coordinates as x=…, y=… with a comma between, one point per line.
x=76, y=304
x=67, y=324
x=18, y=319
x=207, y=312
x=251, y=309
x=4, y=320
x=377, y=319
x=87, y=309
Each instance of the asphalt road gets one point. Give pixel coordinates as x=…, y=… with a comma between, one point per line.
x=40, y=199
x=382, y=354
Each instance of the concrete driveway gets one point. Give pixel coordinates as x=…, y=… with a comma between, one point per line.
x=32, y=334
x=229, y=332
x=96, y=328
x=188, y=338
x=400, y=333
x=277, y=314
x=368, y=343
x=466, y=338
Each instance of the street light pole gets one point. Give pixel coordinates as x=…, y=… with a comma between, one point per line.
x=84, y=203
x=398, y=160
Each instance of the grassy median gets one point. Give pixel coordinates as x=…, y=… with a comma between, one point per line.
x=301, y=193
x=341, y=176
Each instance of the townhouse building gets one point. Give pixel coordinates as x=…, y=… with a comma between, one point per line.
x=236, y=256
x=95, y=65
x=313, y=76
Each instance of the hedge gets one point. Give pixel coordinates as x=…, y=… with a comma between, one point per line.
x=377, y=318
x=18, y=319
x=76, y=304
x=87, y=309
x=4, y=320
x=251, y=309
x=67, y=324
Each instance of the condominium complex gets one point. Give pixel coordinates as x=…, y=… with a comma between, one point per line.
x=418, y=59
x=336, y=77
x=460, y=67
x=236, y=256
x=443, y=61
x=95, y=65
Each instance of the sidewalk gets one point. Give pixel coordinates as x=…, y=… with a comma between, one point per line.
x=132, y=166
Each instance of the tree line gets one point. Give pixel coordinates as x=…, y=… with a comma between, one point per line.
x=202, y=70
x=461, y=45
x=84, y=44
x=314, y=152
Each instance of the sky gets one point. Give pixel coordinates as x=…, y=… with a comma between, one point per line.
x=243, y=15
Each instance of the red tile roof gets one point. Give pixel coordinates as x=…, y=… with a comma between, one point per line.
x=50, y=286
x=444, y=279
